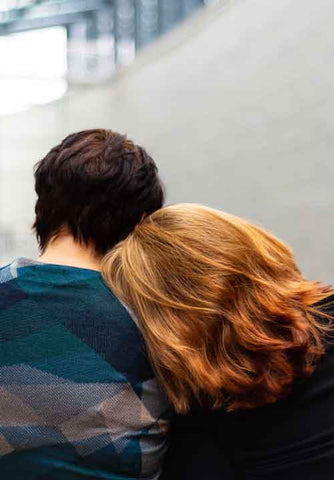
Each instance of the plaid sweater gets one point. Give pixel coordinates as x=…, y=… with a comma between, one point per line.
x=78, y=399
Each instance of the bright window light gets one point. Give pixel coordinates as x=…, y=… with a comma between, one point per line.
x=32, y=69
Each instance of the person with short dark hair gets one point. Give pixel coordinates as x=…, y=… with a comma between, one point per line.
x=78, y=398
x=95, y=186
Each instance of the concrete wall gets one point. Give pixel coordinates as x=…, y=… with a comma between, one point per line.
x=237, y=107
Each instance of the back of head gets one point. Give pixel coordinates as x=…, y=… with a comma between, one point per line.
x=226, y=313
x=97, y=185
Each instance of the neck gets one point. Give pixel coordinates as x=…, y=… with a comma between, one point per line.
x=64, y=250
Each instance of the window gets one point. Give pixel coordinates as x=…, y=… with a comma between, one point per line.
x=32, y=69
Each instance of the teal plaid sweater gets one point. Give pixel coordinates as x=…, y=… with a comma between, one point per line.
x=78, y=399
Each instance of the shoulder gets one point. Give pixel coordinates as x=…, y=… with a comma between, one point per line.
x=6, y=274
x=10, y=293
x=326, y=305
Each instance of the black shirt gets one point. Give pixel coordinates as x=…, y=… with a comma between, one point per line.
x=291, y=439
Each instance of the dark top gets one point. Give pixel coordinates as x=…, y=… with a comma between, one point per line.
x=78, y=399
x=290, y=440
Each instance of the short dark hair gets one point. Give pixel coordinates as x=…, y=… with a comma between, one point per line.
x=98, y=185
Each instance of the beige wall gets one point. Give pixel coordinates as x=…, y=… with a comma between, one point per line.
x=238, y=109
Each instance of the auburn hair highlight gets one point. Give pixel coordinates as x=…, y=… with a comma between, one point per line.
x=226, y=314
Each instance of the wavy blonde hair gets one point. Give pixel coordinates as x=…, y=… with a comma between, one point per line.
x=227, y=316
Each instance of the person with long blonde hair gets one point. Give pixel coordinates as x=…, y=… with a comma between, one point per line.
x=231, y=324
